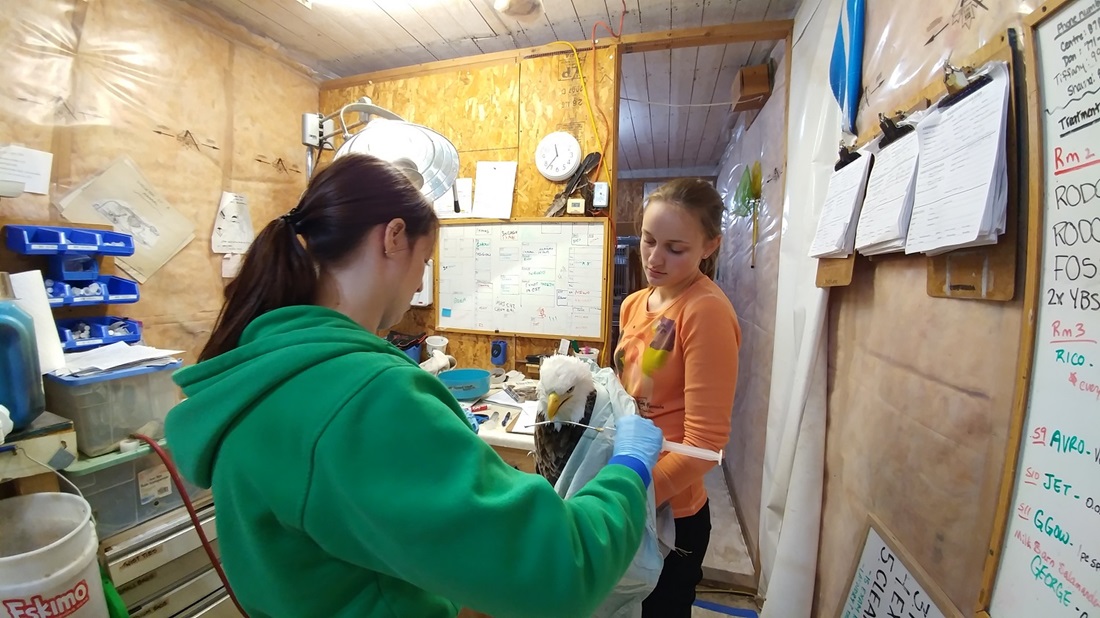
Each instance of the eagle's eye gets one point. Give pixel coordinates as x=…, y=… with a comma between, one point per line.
x=570, y=391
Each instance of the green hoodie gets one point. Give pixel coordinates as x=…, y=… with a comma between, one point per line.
x=348, y=483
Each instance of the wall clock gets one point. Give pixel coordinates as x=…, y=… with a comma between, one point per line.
x=558, y=156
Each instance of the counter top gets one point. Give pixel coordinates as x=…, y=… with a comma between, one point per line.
x=497, y=435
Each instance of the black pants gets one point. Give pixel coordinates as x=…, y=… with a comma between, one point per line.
x=683, y=570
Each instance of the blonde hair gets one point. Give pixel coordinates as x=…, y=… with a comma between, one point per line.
x=700, y=198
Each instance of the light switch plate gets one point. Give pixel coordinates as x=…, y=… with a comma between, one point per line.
x=601, y=195
x=575, y=206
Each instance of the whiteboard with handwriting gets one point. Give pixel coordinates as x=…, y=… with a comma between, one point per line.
x=884, y=585
x=1050, y=563
x=539, y=279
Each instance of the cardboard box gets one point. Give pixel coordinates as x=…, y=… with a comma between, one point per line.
x=751, y=88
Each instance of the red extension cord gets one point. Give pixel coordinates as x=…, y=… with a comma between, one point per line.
x=194, y=516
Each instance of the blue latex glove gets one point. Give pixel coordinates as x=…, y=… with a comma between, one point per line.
x=637, y=444
x=472, y=420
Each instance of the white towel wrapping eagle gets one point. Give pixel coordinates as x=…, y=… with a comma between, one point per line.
x=574, y=389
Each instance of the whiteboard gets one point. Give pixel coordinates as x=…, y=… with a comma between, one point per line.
x=1050, y=562
x=531, y=278
x=884, y=583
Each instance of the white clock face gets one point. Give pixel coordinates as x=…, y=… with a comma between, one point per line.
x=558, y=156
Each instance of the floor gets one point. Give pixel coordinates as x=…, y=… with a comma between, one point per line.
x=723, y=605
x=727, y=564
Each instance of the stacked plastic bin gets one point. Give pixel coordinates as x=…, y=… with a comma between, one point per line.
x=123, y=488
x=73, y=279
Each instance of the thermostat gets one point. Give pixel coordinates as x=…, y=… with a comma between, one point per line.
x=575, y=206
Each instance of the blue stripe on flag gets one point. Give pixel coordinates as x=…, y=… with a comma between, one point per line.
x=846, y=66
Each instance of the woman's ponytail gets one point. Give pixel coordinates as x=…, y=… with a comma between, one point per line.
x=342, y=203
x=277, y=272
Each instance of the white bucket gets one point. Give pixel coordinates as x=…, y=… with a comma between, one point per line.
x=48, y=563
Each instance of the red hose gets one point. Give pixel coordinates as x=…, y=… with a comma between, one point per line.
x=178, y=482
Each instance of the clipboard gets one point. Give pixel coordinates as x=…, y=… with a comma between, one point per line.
x=988, y=272
x=838, y=272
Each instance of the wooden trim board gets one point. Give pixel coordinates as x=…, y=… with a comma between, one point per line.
x=707, y=35
x=1032, y=285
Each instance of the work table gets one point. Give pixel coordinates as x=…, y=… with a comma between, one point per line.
x=514, y=448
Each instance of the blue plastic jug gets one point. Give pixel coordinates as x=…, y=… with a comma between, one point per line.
x=20, y=374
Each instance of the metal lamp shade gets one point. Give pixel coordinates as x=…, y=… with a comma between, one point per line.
x=427, y=158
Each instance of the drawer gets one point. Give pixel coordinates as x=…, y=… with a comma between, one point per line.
x=178, y=599
x=168, y=538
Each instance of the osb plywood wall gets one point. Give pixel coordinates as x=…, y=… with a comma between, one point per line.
x=751, y=282
x=499, y=113
x=920, y=389
x=197, y=112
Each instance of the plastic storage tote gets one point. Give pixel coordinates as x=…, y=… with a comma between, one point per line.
x=106, y=408
x=129, y=493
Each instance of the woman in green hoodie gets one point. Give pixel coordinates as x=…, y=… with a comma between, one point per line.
x=347, y=480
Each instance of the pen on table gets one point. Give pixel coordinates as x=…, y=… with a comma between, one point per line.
x=507, y=417
x=480, y=408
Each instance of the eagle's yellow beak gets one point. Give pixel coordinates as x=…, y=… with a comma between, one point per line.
x=552, y=403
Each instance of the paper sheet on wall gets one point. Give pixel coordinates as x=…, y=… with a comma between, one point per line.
x=494, y=189
x=457, y=202
x=231, y=265
x=28, y=166
x=884, y=218
x=233, y=231
x=122, y=197
x=961, y=192
x=836, y=227
x=30, y=296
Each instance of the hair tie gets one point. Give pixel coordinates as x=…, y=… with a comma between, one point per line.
x=293, y=216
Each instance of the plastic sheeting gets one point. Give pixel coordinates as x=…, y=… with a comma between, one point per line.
x=749, y=276
x=591, y=454
x=197, y=110
x=790, y=514
x=907, y=44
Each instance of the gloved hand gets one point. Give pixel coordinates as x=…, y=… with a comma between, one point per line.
x=638, y=440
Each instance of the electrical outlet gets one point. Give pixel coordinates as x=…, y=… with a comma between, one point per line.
x=575, y=206
x=601, y=195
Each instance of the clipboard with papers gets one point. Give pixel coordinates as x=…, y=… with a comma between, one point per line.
x=888, y=204
x=960, y=193
x=942, y=184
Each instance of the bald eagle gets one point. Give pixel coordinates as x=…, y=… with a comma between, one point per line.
x=567, y=392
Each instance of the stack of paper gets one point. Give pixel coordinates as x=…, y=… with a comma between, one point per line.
x=961, y=192
x=884, y=219
x=115, y=356
x=836, y=228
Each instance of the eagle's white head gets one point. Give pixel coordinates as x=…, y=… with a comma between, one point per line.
x=565, y=382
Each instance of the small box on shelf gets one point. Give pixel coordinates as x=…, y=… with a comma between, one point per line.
x=50, y=240
x=92, y=332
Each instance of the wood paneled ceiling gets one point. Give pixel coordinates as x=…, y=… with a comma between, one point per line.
x=339, y=38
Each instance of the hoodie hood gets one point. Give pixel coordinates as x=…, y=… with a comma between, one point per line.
x=273, y=349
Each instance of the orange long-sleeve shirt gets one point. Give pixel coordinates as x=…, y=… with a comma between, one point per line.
x=680, y=365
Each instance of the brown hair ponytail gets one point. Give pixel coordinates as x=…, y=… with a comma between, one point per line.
x=340, y=206
x=701, y=199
